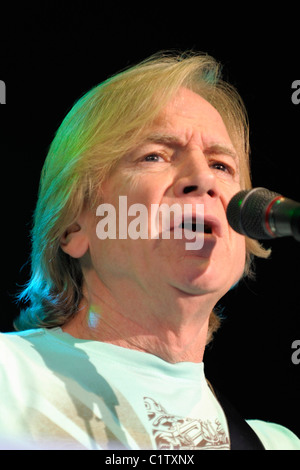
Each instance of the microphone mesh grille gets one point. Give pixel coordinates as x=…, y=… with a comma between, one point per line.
x=246, y=212
x=234, y=211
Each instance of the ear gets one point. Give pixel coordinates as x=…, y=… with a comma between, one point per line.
x=74, y=241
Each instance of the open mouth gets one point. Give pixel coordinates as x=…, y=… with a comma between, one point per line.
x=194, y=226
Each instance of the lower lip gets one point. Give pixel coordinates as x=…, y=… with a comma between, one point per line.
x=210, y=241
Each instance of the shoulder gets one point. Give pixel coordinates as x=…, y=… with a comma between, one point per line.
x=274, y=436
x=23, y=348
x=19, y=339
x=15, y=341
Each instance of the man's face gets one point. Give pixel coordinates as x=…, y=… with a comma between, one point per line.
x=186, y=157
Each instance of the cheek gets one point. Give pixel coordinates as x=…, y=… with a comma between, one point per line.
x=239, y=253
x=109, y=258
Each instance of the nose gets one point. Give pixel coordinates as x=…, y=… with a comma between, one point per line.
x=196, y=177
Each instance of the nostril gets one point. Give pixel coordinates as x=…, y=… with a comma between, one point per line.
x=189, y=189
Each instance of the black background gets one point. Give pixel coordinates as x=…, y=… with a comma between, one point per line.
x=52, y=53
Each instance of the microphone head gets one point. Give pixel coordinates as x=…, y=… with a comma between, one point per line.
x=246, y=212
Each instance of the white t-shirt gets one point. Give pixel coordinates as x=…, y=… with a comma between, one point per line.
x=59, y=392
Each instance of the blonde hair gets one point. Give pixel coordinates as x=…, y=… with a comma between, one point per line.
x=102, y=126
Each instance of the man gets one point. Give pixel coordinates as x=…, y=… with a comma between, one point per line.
x=115, y=331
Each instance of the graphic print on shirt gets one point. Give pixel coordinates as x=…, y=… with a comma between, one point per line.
x=177, y=432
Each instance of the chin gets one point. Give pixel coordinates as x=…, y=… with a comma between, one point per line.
x=205, y=280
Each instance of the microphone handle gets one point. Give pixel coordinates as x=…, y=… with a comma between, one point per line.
x=283, y=218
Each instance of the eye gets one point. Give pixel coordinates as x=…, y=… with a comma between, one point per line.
x=220, y=166
x=153, y=157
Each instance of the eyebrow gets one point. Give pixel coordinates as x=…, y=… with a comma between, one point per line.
x=221, y=149
x=167, y=139
x=173, y=140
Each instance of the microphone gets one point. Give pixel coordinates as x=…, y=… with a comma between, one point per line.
x=262, y=214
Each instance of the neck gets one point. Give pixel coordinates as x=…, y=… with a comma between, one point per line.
x=175, y=332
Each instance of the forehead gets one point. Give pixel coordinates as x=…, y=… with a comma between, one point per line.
x=189, y=114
